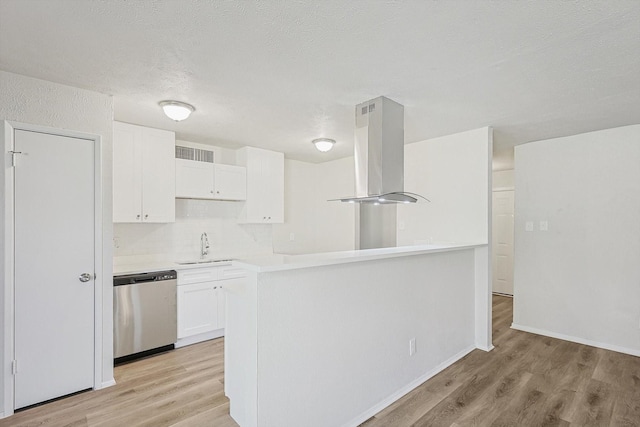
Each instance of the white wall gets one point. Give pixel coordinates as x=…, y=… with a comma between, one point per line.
x=27, y=100
x=317, y=224
x=581, y=279
x=454, y=173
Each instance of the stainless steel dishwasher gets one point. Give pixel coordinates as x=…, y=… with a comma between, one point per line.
x=144, y=314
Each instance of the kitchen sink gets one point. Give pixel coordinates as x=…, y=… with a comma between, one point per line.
x=203, y=261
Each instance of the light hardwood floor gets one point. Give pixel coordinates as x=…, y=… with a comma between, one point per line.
x=181, y=388
x=527, y=380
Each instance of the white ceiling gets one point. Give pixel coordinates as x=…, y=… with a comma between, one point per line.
x=279, y=73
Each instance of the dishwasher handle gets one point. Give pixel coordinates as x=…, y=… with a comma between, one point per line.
x=132, y=279
x=143, y=279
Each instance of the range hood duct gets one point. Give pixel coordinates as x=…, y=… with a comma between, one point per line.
x=379, y=154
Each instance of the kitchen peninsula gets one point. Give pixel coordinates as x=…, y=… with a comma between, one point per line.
x=331, y=339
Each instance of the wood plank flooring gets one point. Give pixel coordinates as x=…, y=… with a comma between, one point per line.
x=527, y=380
x=181, y=388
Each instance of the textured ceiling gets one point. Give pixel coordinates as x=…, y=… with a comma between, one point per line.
x=279, y=73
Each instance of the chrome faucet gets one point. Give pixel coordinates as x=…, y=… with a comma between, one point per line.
x=204, y=245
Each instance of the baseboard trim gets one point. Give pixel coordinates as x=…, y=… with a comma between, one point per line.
x=108, y=383
x=500, y=294
x=182, y=342
x=406, y=389
x=578, y=340
x=485, y=348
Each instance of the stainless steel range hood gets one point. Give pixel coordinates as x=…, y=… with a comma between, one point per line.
x=379, y=163
x=379, y=154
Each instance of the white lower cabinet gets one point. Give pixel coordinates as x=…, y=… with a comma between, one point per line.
x=201, y=302
x=198, y=307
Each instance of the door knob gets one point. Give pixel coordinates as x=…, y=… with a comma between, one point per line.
x=84, y=277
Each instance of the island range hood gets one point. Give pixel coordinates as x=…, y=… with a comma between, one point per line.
x=379, y=154
x=379, y=163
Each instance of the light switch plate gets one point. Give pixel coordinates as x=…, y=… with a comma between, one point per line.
x=544, y=225
x=528, y=226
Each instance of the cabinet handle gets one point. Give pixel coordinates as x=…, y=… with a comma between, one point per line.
x=211, y=191
x=217, y=192
x=146, y=216
x=138, y=216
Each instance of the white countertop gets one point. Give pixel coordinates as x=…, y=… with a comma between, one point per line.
x=153, y=266
x=276, y=262
x=280, y=262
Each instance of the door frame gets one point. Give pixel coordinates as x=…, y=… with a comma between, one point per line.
x=7, y=129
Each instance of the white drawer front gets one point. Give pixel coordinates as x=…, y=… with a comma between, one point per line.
x=231, y=273
x=197, y=275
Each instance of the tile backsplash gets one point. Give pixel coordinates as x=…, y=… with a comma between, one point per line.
x=134, y=243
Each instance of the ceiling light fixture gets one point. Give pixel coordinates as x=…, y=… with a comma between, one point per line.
x=324, y=144
x=176, y=110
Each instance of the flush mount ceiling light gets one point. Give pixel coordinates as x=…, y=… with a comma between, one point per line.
x=324, y=144
x=176, y=110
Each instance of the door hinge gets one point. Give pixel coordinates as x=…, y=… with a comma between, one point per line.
x=14, y=161
x=14, y=367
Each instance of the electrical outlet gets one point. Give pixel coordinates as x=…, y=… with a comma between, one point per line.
x=528, y=226
x=401, y=225
x=544, y=225
x=292, y=236
x=412, y=346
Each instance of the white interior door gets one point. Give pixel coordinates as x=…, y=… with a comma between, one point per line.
x=502, y=252
x=54, y=246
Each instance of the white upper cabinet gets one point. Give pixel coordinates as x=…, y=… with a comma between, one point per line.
x=265, y=185
x=229, y=182
x=194, y=180
x=202, y=180
x=143, y=174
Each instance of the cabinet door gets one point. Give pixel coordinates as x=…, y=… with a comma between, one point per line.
x=194, y=180
x=273, y=191
x=158, y=176
x=239, y=276
x=127, y=173
x=265, y=185
x=253, y=164
x=230, y=182
x=197, y=308
x=222, y=305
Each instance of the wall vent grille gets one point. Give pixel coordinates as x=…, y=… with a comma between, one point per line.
x=189, y=153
